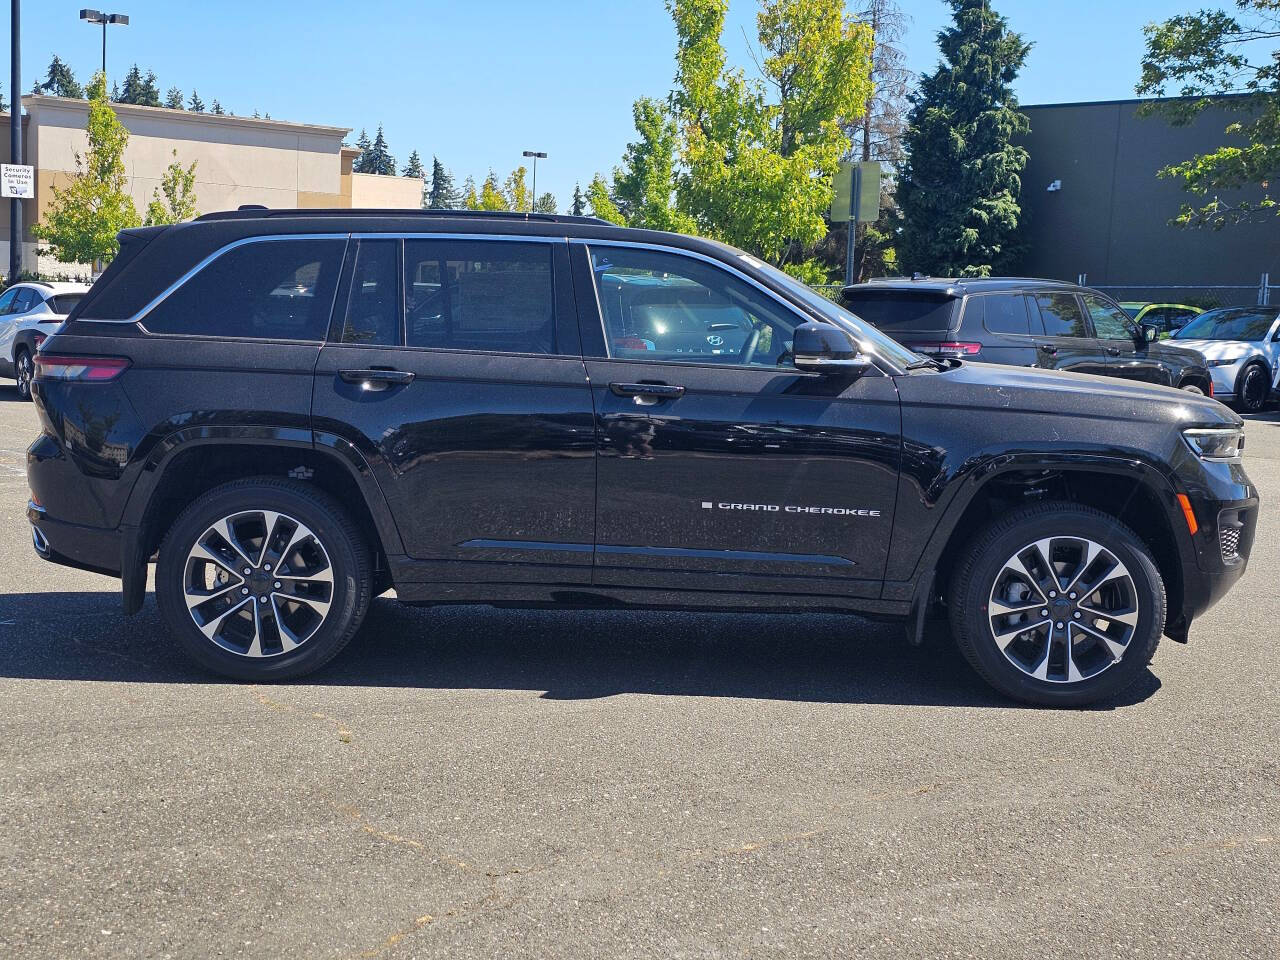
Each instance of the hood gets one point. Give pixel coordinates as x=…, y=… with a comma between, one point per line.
x=1182, y=351
x=1220, y=349
x=980, y=386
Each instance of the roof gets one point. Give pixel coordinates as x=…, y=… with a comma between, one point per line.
x=55, y=286
x=956, y=286
x=254, y=212
x=33, y=101
x=1133, y=101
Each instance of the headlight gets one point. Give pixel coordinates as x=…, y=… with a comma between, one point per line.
x=1225, y=363
x=1217, y=444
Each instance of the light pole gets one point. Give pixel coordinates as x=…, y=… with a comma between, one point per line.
x=15, y=138
x=96, y=16
x=536, y=154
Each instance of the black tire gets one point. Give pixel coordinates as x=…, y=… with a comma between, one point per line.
x=984, y=561
x=1193, y=389
x=23, y=372
x=1252, y=388
x=343, y=545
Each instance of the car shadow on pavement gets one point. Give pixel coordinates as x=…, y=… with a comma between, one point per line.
x=567, y=654
x=1266, y=416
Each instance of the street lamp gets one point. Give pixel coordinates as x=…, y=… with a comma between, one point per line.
x=537, y=155
x=96, y=16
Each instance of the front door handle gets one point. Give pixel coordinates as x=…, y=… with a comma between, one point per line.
x=651, y=392
x=1048, y=348
x=376, y=379
x=1113, y=351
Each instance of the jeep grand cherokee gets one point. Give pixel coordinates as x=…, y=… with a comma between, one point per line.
x=291, y=412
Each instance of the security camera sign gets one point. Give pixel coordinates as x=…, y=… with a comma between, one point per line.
x=17, y=180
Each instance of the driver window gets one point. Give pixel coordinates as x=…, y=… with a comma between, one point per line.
x=664, y=306
x=1111, y=323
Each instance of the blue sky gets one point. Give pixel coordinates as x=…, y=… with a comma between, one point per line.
x=478, y=82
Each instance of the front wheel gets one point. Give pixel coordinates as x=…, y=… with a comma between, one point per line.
x=1251, y=395
x=263, y=579
x=23, y=370
x=1057, y=604
x=1192, y=389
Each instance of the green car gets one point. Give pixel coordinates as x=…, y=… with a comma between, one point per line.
x=1165, y=317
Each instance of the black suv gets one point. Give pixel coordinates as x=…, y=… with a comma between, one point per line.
x=295, y=411
x=1027, y=323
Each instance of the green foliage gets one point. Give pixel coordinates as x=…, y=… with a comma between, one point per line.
x=60, y=81
x=216, y=109
x=643, y=187
x=579, y=205
x=546, y=203
x=516, y=192
x=374, y=157
x=443, y=194
x=414, y=167
x=600, y=202
x=758, y=155
x=960, y=186
x=139, y=90
x=1197, y=56
x=174, y=201
x=81, y=222
x=173, y=99
x=195, y=104
x=813, y=272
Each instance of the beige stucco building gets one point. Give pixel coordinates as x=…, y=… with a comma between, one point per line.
x=239, y=160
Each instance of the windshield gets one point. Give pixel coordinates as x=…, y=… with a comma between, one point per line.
x=869, y=339
x=1230, y=323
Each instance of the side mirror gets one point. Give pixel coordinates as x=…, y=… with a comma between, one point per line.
x=825, y=348
x=1150, y=333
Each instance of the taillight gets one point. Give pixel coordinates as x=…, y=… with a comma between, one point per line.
x=88, y=369
x=39, y=338
x=1211, y=389
x=949, y=348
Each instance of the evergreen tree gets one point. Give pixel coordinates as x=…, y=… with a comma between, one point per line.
x=579, y=204
x=173, y=99
x=4, y=107
x=149, y=94
x=469, y=199
x=545, y=204
x=960, y=185
x=361, y=163
x=139, y=90
x=115, y=91
x=414, y=167
x=443, y=194
x=195, y=104
x=60, y=81
x=216, y=109
x=378, y=158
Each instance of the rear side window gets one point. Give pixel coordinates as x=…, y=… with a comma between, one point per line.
x=494, y=296
x=266, y=290
x=892, y=310
x=64, y=302
x=999, y=313
x=1061, y=315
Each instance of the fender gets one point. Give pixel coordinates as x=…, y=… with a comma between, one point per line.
x=984, y=468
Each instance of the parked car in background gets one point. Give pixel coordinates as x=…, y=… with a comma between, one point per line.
x=1242, y=347
x=29, y=312
x=1165, y=317
x=1028, y=323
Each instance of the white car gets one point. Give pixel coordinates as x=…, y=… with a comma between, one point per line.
x=1241, y=346
x=29, y=312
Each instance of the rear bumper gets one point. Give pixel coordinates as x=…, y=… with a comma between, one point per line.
x=73, y=545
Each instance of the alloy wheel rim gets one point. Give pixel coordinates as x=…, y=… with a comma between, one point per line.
x=24, y=373
x=1063, y=609
x=258, y=583
x=1253, y=387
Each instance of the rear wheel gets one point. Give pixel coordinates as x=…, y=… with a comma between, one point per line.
x=1251, y=394
x=23, y=369
x=1193, y=389
x=1058, y=604
x=263, y=579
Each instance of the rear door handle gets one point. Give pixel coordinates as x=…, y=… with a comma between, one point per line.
x=647, y=394
x=1048, y=348
x=376, y=379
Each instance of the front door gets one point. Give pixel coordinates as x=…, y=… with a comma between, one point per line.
x=720, y=466
x=1064, y=340
x=1128, y=353
x=454, y=367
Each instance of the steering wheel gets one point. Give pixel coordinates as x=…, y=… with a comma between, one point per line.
x=748, y=351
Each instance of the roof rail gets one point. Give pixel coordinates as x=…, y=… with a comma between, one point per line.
x=255, y=211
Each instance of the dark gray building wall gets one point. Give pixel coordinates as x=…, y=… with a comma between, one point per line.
x=1111, y=218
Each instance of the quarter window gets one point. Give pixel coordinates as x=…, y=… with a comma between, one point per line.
x=1110, y=322
x=663, y=306
x=26, y=300
x=1060, y=313
x=1004, y=312
x=266, y=290
x=494, y=296
x=373, y=302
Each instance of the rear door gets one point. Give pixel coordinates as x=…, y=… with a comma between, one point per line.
x=1128, y=354
x=721, y=467
x=454, y=368
x=1065, y=341
x=1001, y=322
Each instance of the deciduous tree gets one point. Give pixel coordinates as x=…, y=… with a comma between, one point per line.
x=174, y=200
x=1202, y=55
x=644, y=186
x=961, y=184
x=81, y=222
x=601, y=202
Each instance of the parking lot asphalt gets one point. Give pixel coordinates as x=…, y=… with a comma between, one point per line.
x=470, y=782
